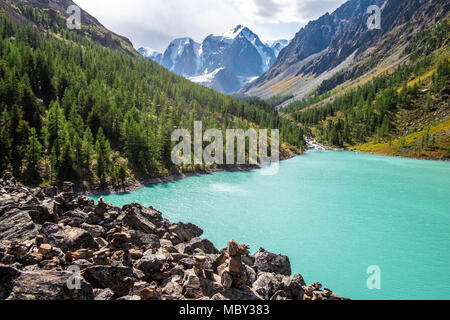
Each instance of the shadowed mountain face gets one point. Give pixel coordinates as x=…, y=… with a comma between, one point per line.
x=91, y=27
x=336, y=41
x=224, y=63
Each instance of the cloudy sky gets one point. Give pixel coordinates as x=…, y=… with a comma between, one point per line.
x=154, y=23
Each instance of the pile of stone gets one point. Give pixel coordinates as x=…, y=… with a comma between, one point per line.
x=56, y=246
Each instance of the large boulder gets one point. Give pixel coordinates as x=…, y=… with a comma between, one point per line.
x=266, y=261
x=48, y=285
x=295, y=286
x=172, y=288
x=17, y=225
x=94, y=230
x=67, y=238
x=268, y=284
x=185, y=231
x=197, y=243
x=119, y=279
x=151, y=262
x=39, y=214
x=142, y=239
x=139, y=218
x=197, y=287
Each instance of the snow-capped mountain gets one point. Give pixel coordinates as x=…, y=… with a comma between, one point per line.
x=223, y=62
x=277, y=46
x=151, y=54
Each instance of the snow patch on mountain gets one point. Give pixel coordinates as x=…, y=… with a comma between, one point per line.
x=224, y=62
x=151, y=54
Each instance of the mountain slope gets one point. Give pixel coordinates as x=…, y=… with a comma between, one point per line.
x=20, y=12
x=72, y=109
x=403, y=111
x=224, y=63
x=341, y=43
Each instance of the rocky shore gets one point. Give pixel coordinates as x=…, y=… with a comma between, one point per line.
x=56, y=247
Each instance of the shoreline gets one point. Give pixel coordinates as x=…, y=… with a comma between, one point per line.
x=397, y=156
x=139, y=184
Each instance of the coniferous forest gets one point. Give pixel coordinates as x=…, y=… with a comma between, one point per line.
x=73, y=110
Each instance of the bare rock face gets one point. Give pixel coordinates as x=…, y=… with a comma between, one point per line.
x=268, y=262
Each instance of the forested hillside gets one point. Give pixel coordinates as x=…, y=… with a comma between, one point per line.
x=72, y=109
x=403, y=112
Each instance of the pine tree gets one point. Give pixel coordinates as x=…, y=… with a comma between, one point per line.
x=103, y=151
x=5, y=141
x=34, y=149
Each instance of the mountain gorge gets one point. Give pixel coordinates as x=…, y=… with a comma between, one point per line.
x=224, y=63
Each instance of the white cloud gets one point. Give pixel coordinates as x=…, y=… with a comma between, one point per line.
x=155, y=23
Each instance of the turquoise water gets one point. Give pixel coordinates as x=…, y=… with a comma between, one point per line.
x=334, y=214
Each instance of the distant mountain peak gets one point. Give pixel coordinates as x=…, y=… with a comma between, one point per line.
x=224, y=62
x=151, y=54
x=234, y=32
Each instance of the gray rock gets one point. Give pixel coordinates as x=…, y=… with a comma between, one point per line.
x=48, y=285
x=266, y=261
x=295, y=285
x=119, y=279
x=187, y=263
x=39, y=214
x=68, y=238
x=246, y=293
x=138, y=287
x=16, y=225
x=103, y=294
x=267, y=285
x=50, y=192
x=95, y=231
x=140, y=218
x=141, y=239
x=251, y=275
x=197, y=243
x=151, y=263
x=185, y=231
x=172, y=288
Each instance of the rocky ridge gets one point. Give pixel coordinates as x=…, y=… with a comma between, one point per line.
x=51, y=243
